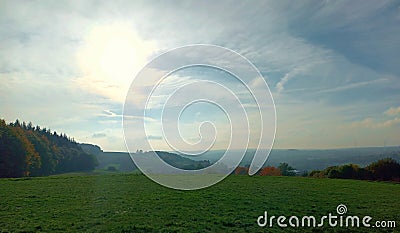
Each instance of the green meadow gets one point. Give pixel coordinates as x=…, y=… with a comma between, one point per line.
x=133, y=203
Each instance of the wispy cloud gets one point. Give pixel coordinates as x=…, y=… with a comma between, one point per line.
x=280, y=85
x=152, y=137
x=373, y=124
x=354, y=85
x=99, y=135
x=393, y=111
x=383, y=123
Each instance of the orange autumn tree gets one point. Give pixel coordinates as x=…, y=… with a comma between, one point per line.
x=17, y=154
x=270, y=171
x=241, y=170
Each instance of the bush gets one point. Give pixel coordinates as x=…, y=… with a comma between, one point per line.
x=316, y=174
x=241, y=171
x=270, y=171
x=112, y=169
x=385, y=169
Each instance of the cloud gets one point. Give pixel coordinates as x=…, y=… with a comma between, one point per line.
x=393, y=111
x=392, y=122
x=374, y=124
x=353, y=85
x=99, y=135
x=109, y=113
x=152, y=137
x=366, y=123
x=353, y=30
x=285, y=79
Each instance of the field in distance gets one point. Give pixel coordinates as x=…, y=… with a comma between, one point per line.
x=133, y=203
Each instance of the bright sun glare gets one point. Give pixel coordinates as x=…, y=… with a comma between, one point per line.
x=110, y=58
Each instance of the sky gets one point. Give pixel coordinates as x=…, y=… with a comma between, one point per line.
x=332, y=66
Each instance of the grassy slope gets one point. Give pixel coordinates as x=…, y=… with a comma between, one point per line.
x=132, y=203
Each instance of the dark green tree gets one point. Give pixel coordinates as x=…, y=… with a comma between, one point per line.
x=287, y=170
x=385, y=169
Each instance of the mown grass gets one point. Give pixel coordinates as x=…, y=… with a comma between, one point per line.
x=133, y=203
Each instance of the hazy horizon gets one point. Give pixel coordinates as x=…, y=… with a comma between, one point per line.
x=251, y=149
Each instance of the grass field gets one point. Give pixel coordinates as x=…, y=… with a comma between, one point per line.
x=133, y=203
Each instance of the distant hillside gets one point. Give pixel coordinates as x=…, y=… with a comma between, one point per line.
x=91, y=149
x=302, y=160
x=307, y=160
x=120, y=160
x=180, y=161
x=123, y=162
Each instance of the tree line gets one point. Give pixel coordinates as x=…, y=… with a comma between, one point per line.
x=284, y=169
x=27, y=150
x=386, y=169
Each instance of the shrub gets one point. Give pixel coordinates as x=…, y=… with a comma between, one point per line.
x=385, y=169
x=241, y=171
x=112, y=169
x=270, y=171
